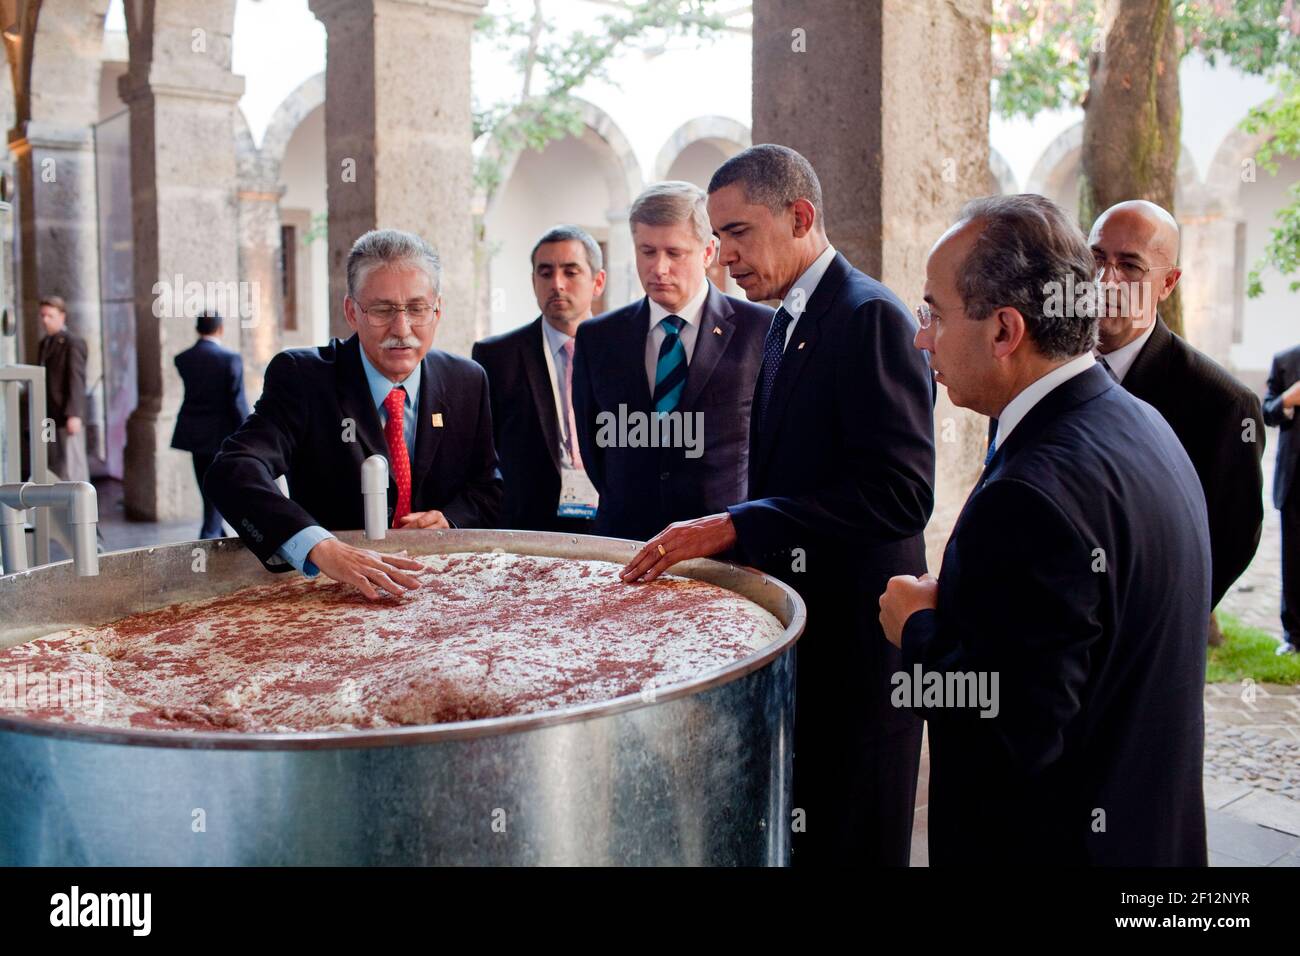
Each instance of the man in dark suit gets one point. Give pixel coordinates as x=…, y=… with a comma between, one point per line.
x=213, y=406
x=841, y=481
x=1075, y=585
x=530, y=377
x=662, y=388
x=63, y=355
x=383, y=391
x=1217, y=419
x=1280, y=406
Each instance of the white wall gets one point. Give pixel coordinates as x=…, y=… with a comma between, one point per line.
x=303, y=173
x=563, y=184
x=1272, y=321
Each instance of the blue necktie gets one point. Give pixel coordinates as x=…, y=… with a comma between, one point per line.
x=670, y=371
x=993, y=447
x=773, y=349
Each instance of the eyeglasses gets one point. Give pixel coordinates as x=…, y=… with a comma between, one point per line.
x=1130, y=270
x=925, y=315
x=417, y=313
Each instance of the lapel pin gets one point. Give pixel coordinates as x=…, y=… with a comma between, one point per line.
x=802, y=344
x=717, y=331
x=437, y=419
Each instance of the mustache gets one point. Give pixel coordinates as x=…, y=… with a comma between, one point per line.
x=400, y=342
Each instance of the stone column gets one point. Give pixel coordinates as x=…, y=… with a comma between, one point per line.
x=182, y=98
x=259, y=334
x=890, y=103
x=1212, y=285
x=58, y=231
x=397, y=139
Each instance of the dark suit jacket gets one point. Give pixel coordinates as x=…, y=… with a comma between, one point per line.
x=64, y=357
x=1284, y=373
x=214, y=404
x=1207, y=409
x=841, y=485
x=643, y=490
x=526, y=429
x=1079, y=573
x=313, y=401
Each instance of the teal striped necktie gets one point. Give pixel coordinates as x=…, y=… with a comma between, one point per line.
x=670, y=370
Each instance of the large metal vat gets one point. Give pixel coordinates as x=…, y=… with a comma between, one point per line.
x=697, y=773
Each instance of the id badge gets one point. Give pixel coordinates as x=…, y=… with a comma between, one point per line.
x=578, y=497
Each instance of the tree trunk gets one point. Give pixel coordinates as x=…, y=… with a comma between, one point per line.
x=1132, y=116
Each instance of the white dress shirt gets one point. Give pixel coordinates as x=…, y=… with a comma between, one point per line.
x=796, y=300
x=690, y=314
x=1122, y=359
x=1036, y=391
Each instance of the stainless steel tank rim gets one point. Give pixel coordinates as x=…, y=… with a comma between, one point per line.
x=422, y=733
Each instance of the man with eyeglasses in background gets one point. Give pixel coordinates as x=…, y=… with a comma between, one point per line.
x=1218, y=420
x=382, y=391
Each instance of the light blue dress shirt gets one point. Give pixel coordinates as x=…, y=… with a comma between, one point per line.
x=296, y=549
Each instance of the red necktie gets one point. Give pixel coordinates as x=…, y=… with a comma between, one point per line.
x=398, y=460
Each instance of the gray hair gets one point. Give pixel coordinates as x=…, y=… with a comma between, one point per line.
x=391, y=247
x=672, y=203
x=1027, y=246
x=571, y=234
x=773, y=176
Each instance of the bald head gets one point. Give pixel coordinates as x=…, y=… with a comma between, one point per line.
x=1135, y=247
x=1146, y=219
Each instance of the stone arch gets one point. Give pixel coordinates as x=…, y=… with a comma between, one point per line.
x=1055, y=175
x=623, y=176
x=61, y=42
x=603, y=153
x=723, y=132
x=1224, y=176
x=293, y=109
x=1002, y=179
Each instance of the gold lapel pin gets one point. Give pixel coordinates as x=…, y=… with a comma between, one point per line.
x=437, y=419
x=802, y=344
x=717, y=331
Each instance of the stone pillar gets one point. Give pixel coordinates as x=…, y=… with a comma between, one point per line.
x=622, y=284
x=182, y=98
x=397, y=139
x=259, y=334
x=1212, y=285
x=59, y=232
x=890, y=103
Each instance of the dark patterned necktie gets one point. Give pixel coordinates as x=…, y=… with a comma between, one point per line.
x=670, y=370
x=773, y=350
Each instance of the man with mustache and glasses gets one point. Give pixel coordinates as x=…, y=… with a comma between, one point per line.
x=1218, y=420
x=530, y=378
x=383, y=391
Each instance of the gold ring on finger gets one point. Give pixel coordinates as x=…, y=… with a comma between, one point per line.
x=662, y=552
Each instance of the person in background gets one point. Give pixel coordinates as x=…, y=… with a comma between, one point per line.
x=1217, y=419
x=530, y=379
x=213, y=406
x=63, y=356
x=1280, y=404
